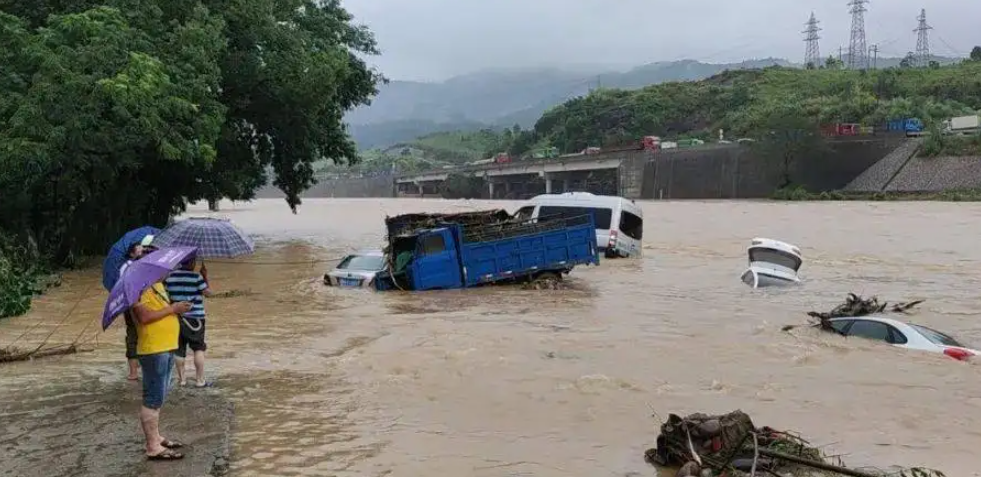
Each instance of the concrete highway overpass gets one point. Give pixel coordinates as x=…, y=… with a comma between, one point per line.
x=557, y=173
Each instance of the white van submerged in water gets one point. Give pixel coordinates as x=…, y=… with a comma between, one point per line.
x=619, y=221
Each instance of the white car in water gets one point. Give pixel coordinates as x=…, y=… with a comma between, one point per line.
x=356, y=270
x=903, y=335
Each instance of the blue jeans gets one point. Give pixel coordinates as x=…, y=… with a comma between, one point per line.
x=156, y=378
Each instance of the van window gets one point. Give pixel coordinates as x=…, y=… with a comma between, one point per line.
x=631, y=225
x=602, y=217
x=525, y=213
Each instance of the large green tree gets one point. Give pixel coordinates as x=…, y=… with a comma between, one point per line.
x=117, y=113
x=976, y=53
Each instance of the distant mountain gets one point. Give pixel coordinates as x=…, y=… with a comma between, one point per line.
x=387, y=133
x=404, y=110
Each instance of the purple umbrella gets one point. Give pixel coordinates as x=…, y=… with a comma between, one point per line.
x=141, y=275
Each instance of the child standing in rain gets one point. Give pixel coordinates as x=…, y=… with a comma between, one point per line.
x=185, y=284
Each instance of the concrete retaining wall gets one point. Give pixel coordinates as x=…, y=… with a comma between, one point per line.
x=735, y=171
x=630, y=175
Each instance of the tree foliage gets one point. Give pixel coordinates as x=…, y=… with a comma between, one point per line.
x=976, y=53
x=118, y=113
x=742, y=103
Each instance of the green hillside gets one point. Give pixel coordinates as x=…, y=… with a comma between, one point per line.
x=743, y=102
x=457, y=146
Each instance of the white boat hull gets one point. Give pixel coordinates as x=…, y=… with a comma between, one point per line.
x=764, y=278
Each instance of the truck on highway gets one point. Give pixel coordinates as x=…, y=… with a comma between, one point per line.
x=442, y=251
x=909, y=126
x=963, y=124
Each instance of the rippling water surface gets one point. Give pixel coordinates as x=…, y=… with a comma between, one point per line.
x=507, y=382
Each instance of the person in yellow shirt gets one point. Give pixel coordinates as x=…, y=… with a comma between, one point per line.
x=157, y=331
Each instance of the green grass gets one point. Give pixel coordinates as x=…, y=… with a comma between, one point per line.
x=466, y=143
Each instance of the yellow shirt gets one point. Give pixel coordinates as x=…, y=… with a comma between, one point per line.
x=161, y=335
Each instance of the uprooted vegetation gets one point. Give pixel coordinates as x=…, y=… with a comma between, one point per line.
x=855, y=305
x=702, y=445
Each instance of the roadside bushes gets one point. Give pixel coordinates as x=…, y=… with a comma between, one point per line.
x=938, y=144
x=21, y=273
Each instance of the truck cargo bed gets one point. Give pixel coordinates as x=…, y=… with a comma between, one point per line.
x=558, y=249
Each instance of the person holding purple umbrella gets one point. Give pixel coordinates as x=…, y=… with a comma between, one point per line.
x=133, y=253
x=140, y=291
x=157, y=329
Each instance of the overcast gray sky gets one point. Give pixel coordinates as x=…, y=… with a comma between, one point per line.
x=436, y=39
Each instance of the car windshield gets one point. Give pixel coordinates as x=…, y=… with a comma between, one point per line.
x=936, y=336
x=362, y=262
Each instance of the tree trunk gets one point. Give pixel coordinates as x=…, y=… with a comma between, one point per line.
x=213, y=205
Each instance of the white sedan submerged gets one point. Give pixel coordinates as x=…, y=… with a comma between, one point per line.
x=903, y=335
x=356, y=270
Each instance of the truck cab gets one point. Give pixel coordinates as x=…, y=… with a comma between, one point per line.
x=428, y=260
x=436, y=261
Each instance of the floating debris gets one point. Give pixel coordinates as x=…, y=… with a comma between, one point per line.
x=232, y=293
x=11, y=354
x=702, y=445
x=853, y=306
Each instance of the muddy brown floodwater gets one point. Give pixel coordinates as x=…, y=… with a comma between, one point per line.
x=507, y=382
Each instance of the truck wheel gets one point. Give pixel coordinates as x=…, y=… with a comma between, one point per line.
x=546, y=281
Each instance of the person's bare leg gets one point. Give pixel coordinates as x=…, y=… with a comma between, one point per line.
x=150, y=421
x=179, y=363
x=199, y=367
x=134, y=366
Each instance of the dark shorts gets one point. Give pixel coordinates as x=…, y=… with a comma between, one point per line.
x=130, y=336
x=156, y=378
x=192, y=336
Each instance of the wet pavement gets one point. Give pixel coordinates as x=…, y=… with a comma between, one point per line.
x=98, y=434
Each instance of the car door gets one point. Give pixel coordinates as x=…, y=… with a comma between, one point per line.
x=437, y=266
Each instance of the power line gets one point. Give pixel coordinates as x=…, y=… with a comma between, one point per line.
x=857, y=49
x=953, y=50
x=922, y=40
x=812, y=56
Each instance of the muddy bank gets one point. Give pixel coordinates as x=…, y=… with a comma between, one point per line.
x=80, y=434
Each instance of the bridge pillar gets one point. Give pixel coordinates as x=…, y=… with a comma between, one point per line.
x=490, y=187
x=549, y=181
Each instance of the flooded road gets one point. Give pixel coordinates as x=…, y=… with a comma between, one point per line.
x=506, y=382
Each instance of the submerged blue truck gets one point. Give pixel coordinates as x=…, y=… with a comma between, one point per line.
x=449, y=251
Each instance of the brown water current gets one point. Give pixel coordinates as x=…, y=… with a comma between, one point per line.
x=509, y=382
